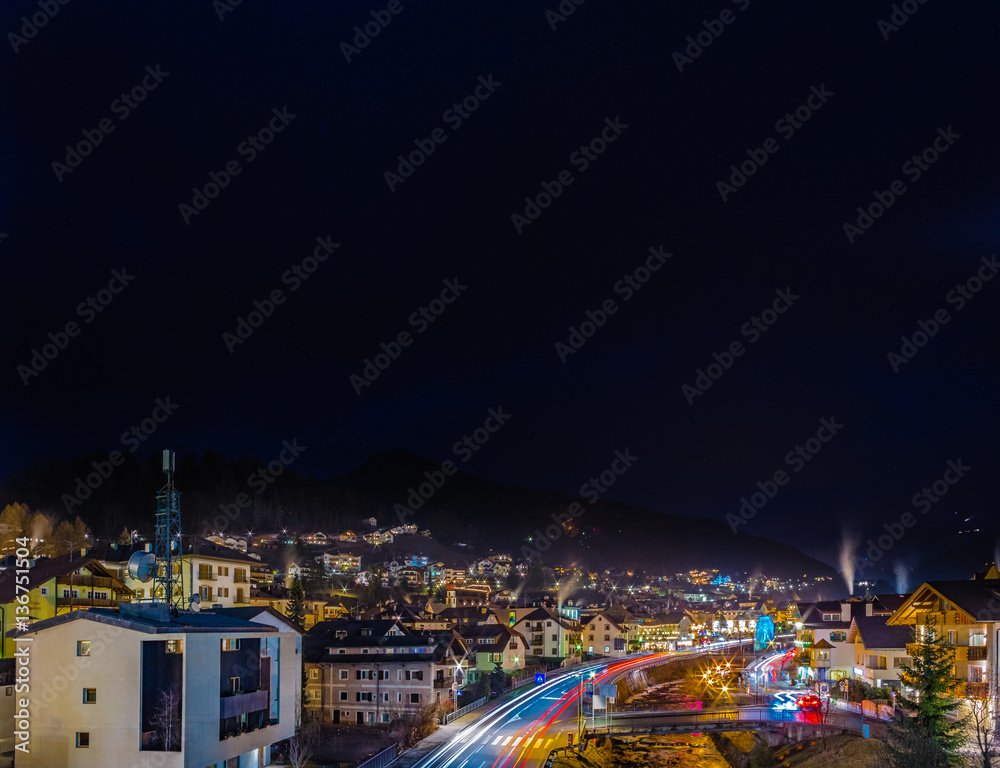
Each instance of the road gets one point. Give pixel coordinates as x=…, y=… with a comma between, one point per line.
x=521, y=732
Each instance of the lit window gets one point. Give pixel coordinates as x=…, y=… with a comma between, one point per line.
x=82, y=647
x=89, y=695
x=231, y=644
x=175, y=646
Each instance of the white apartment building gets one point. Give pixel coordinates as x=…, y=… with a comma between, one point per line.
x=549, y=635
x=139, y=687
x=879, y=650
x=335, y=563
x=218, y=575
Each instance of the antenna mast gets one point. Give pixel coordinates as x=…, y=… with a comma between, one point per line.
x=169, y=579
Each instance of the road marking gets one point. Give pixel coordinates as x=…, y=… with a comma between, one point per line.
x=506, y=741
x=516, y=742
x=495, y=741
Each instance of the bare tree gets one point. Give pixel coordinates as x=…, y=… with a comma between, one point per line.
x=303, y=745
x=984, y=738
x=167, y=721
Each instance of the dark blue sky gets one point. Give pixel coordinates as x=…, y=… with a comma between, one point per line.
x=550, y=91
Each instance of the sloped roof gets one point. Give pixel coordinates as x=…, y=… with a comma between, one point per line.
x=674, y=617
x=250, y=613
x=875, y=633
x=888, y=602
x=979, y=598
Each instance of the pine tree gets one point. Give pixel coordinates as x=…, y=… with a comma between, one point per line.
x=498, y=680
x=929, y=738
x=296, y=610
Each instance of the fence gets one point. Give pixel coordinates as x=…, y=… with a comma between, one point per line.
x=382, y=759
x=455, y=715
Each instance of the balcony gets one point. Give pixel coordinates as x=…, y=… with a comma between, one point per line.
x=75, y=580
x=206, y=576
x=442, y=683
x=977, y=653
x=243, y=703
x=821, y=664
x=85, y=602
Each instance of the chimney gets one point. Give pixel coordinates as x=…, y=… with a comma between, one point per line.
x=845, y=610
x=149, y=547
x=869, y=605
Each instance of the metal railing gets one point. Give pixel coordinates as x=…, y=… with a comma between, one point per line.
x=381, y=759
x=458, y=713
x=629, y=722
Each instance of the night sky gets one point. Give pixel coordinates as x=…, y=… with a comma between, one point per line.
x=377, y=185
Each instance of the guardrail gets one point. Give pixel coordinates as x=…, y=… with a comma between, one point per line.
x=641, y=721
x=459, y=712
x=381, y=759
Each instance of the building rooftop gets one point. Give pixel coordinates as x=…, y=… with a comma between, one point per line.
x=151, y=618
x=875, y=633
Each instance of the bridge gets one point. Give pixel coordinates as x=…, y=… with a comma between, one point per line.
x=795, y=724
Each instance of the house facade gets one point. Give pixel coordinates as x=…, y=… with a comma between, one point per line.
x=602, y=636
x=879, y=650
x=139, y=687
x=56, y=586
x=967, y=613
x=372, y=672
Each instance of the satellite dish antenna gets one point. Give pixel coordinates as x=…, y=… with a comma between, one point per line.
x=196, y=602
x=141, y=566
